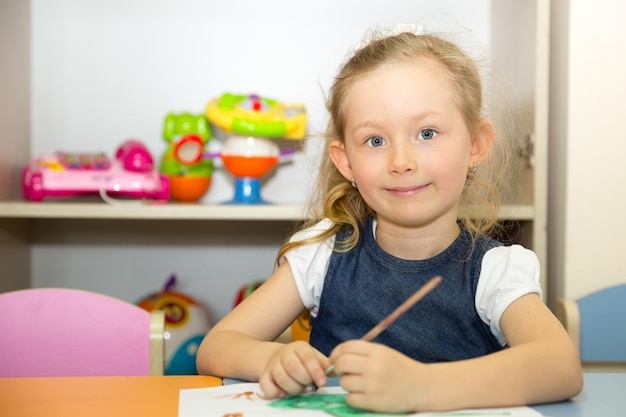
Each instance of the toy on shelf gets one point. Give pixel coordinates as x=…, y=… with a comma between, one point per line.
x=257, y=116
x=186, y=324
x=188, y=181
x=247, y=158
x=249, y=152
x=130, y=173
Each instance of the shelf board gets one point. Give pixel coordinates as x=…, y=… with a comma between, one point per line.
x=133, y=210
x=520, y=212
x=138, y=211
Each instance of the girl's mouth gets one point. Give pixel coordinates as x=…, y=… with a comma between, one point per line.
x=407, y=191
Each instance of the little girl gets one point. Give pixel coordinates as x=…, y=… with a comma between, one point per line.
x=408, y=147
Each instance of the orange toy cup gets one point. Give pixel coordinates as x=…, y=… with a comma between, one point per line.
x=249, y=166
x=188, y=188
x=248, y=159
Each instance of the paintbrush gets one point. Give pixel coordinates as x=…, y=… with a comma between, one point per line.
x=398, y=312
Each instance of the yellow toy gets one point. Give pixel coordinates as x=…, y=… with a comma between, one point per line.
x=257, y=116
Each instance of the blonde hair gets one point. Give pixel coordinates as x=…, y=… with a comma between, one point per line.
x=334, y=197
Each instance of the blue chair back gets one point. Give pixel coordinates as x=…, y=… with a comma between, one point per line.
x=603, y=325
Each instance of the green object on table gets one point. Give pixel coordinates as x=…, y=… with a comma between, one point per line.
x=333, y=404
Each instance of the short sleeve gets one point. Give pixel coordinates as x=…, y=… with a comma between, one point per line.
x=507, y=273
x=309, y=263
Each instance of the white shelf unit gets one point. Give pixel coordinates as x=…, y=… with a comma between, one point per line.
x=33, y=236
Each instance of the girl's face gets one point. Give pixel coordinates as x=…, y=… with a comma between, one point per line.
x=406, y=144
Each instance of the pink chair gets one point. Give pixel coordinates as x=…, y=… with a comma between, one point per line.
x=69, y=332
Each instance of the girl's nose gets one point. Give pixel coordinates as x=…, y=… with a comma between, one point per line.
x=402, y=160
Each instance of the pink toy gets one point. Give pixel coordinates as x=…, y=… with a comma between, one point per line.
x=131, y=173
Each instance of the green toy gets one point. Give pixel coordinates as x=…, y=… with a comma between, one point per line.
x=188, y=182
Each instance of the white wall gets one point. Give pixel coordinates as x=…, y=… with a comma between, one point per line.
x=105, y=70
x=588, y=147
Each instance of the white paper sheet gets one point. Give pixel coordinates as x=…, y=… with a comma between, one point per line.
x=246, y=400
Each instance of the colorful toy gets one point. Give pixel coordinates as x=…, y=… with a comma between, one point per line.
x=249, y=153
x=257, y=116
x=186, y=324
x=130, y=173
x=247, y=158
x=190, y=181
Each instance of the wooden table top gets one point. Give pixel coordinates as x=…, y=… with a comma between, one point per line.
x=150, y=396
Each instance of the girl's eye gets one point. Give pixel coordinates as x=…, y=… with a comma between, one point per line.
x=427, y=134
x=376, y=141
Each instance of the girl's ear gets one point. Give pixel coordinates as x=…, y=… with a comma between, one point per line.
x=481, y=144
x=339, y=156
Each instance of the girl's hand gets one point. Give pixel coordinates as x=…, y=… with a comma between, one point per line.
x=292, y=369
x=379, y=378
